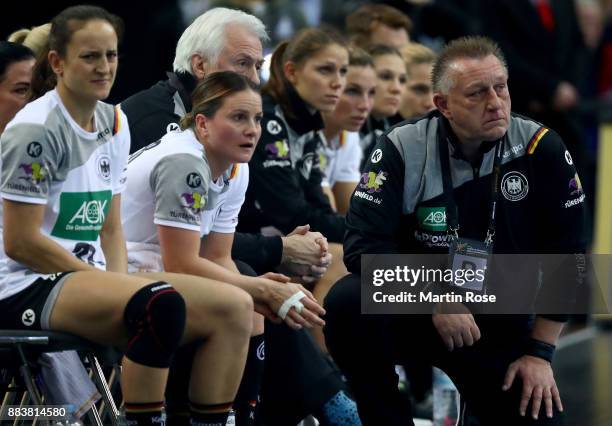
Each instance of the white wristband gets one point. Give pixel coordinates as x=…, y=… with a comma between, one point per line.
x=292, y=302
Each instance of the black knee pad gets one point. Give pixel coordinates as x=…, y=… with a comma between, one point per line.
x=155, y=320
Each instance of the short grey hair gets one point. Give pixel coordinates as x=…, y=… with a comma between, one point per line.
x=472, y=47
x=206, y=36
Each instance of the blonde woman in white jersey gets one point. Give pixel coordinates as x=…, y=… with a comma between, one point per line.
x=63, y=262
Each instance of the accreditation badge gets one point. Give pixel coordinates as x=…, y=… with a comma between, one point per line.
x=468, y=260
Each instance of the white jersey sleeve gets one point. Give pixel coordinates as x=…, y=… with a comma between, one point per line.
x=349, y=159
x=180, y=184
x=30, y=162
x=227, y=218
x=119, y=168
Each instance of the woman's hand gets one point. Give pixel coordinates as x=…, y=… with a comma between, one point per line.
x=305, y=312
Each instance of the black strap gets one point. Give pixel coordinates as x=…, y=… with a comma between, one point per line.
x=495, y=190
x=540, y=349
x=452, y=213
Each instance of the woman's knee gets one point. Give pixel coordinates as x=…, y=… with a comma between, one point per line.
x=235, y=311
x=155, y=321
x=258, y=324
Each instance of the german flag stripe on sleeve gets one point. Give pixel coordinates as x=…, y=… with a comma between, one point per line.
x=234, y=171
x=535, y=140
x=117, y=124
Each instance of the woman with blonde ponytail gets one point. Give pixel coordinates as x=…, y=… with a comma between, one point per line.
x=35, y=38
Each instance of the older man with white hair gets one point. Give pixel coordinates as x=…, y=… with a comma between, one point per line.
x=230, y=40
x=218, y=40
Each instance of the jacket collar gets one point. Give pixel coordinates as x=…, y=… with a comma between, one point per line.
x=302, y=118
x=184, y=83
x=372, y=124
x=446, y=132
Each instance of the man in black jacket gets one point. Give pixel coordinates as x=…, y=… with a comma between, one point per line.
x=471, y=169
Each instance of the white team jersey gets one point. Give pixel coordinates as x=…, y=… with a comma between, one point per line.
x=48, y=159
x=170, y=184
x=341, y=159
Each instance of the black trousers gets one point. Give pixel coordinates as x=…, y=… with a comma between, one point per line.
x=297, y=381
x=366, y=348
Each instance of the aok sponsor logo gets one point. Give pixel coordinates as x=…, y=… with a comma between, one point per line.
x=432, y=218
x=81, y=215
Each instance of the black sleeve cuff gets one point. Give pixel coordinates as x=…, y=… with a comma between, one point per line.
x=555, y=317
x=263, y=254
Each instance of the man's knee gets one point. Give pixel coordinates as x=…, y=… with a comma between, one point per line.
x=343, y=310
x=344, y=298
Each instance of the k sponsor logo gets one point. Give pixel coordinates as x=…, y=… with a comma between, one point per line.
x=514, y=186
x=273, y=127
x=432, y=218
x=34, y=149
x=28, y=317
x=568, y=158
x=376, y=156
x=81, y=215
x=172, y=127
x=193, y=180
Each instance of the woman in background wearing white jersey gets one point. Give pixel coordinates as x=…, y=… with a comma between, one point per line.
x=342, y=157
x=63, y=168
